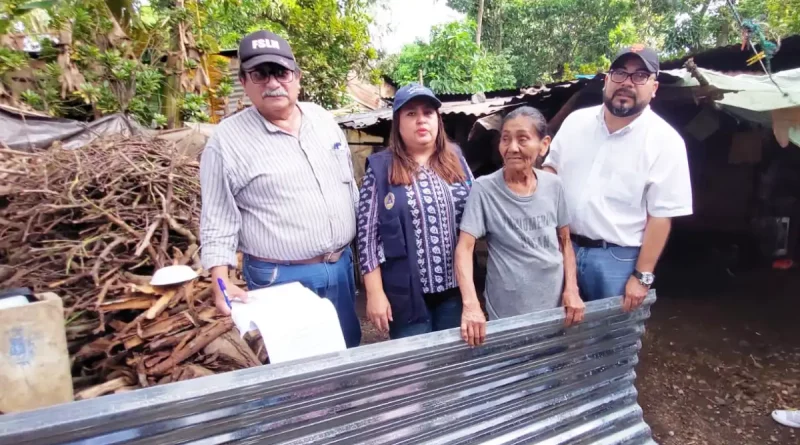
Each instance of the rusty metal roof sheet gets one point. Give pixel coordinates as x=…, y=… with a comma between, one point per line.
x=464, y=107
x=532, y=382
x=468, y=108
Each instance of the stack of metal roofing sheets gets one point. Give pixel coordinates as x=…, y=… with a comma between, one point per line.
x=532, y=382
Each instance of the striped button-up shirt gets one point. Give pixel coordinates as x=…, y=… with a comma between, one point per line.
x=272, y=195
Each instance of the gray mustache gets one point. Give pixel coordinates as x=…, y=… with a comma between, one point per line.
x=278, y=92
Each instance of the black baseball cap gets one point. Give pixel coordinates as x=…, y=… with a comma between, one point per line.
x=265, y=47
x=647, y=55
x=413, y=91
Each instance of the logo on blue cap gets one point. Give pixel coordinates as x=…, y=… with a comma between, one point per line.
x=412, y=91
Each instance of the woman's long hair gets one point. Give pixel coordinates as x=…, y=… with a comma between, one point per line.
x=444, y=160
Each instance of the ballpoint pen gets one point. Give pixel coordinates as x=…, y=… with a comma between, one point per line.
x=224, y=291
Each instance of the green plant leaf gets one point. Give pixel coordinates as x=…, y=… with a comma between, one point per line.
x=40, y=4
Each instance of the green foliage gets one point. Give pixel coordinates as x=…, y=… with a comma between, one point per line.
x=225, y=89
x=229, y=20
x=329, y=38
x=549, y=40
x=117, y=74
x=543, y=38
x=11, y=60
x=45, y=96
x=193, y=108
x=696, y=25
x=14, y=11
x=33, y=99
x=146, y=105
x=451, y=62
x=113, y=78
x=329, y=43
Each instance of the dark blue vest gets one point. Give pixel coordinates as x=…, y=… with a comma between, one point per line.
x=400, y=272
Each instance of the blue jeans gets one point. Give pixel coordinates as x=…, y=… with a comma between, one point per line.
x=444, y=309
x=603, y=272
x=332, y=281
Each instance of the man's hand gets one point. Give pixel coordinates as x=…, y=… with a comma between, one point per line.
x=574, y=306
x=379, y=310
x=473, y=325
x=234, y=291
x=635, y=293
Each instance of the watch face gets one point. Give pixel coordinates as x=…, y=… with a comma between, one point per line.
x=648, y=278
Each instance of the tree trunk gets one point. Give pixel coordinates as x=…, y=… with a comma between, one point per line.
x=173, y=92
x=480, y=23
x=724, y=34
x=495, y=20
x=697, y=41
x=122, y=11
x=705, y=9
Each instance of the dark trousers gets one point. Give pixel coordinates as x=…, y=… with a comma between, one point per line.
x=444, y=309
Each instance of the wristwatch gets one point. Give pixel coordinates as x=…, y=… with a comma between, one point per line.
x=646, y=278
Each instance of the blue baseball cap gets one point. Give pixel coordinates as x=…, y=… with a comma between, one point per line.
x=413, y=91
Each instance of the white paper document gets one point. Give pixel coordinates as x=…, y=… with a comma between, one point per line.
x=294, y=322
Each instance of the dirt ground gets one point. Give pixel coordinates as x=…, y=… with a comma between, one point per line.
x=718, y=358
x=720, y=353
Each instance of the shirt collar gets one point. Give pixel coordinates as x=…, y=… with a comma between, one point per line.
x=272, y=128
x=626, y=129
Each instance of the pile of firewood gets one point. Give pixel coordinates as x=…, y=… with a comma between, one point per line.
x=92, y=225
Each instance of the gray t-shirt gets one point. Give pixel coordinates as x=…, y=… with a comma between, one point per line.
x=525, y=271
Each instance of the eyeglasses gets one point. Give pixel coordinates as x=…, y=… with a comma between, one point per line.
x=637, y=77
x=261, y=75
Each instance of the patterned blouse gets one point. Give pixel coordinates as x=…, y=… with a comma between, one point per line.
x=436, y=208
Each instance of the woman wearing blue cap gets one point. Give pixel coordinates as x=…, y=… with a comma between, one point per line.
x=412, y=199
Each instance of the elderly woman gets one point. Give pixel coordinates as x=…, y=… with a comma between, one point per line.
x=412, y=199
x=522, y=213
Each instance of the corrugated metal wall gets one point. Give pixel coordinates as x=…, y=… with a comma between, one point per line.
x=237, y=94
x=533, y=382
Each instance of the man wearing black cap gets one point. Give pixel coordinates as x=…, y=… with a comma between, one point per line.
x=625, y=175
x=277, y=184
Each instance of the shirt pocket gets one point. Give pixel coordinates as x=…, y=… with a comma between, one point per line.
x=392, y=238
x=343, y=165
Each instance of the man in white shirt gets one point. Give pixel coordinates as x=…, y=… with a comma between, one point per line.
x=625, y=175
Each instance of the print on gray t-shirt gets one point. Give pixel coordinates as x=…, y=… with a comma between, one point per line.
x=525, y=272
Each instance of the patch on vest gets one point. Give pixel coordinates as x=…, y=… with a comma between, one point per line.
x=388, y=201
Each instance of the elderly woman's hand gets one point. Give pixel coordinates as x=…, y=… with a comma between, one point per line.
x=473, y=325
x=574, y=306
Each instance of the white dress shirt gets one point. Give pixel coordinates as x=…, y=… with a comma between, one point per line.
x=613, y=181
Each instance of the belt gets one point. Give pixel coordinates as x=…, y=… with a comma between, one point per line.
x=583, y=241
x=331, y=257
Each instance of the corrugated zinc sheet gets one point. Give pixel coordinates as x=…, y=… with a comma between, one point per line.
x=510, y=98
x=466, y=108
x=533, y=382
x=237, y=95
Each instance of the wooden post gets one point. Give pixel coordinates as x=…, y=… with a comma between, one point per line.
x=421, y=82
